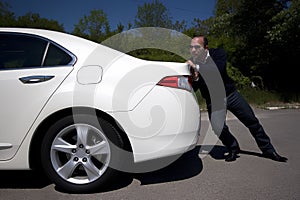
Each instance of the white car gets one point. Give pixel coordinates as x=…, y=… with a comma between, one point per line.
x=82, y=111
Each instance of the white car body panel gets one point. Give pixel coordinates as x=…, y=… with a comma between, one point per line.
x=159, y=121
x=27, y=100
x=161, y=125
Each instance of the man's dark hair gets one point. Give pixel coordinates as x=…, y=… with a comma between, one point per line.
x=204, y=39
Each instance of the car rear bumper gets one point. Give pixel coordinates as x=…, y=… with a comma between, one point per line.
x=165, y=123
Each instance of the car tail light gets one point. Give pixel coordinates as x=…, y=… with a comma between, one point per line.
x=181, y=82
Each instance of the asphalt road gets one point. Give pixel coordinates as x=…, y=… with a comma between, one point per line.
x=199, y=174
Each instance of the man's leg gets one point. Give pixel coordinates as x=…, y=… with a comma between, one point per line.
x=242, y=110
x=218, y=122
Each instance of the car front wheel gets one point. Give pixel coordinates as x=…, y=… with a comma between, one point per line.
x=77, y=153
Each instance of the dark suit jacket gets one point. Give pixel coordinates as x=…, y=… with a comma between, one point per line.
x=210, y=75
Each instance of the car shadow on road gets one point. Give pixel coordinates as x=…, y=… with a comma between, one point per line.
x=23, y=179
x=162, y=170
x=186, y=166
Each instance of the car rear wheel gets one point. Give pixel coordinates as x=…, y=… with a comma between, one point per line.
x=77, y=153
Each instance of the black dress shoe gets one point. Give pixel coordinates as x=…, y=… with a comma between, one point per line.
x=275, y=156
x=232, y=156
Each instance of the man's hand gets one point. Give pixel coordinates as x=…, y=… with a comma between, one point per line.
x=193, y=70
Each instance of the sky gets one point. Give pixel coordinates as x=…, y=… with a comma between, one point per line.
x=69, y=12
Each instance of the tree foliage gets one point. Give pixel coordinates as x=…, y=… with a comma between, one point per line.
x=253, y=35
x=29, y=20
x=284, y=38
x=33, y=20
x=7, y=18
x=153, y=15
x=285, y=23
x=94, y=26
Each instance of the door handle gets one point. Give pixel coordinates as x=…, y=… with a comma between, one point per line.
x=35, y=79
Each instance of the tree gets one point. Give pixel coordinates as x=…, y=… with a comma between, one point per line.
x=255, y=54
x=153, y=15
x=94, y=27
x=29, y=20
x=284, y=37
x=180, y=26
x=285, y=23
x=245, y=27
x=223, y=7
x=7, y=18
x=202, y=26
x=33, y=20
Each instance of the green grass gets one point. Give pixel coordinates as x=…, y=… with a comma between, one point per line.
x=260, y=98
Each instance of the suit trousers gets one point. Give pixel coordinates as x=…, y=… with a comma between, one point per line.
x=238, y=106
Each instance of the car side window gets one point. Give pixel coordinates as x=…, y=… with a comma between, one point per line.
x=18, y=51
x=56, y=57
x=21, y=51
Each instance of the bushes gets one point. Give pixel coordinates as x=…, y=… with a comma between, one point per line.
x=240, y=80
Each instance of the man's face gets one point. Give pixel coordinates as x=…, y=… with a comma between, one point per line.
x=196, y=47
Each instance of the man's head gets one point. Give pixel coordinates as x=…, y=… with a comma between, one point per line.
x=198, y=45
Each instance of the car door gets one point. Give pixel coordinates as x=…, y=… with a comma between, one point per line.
x=31, y=69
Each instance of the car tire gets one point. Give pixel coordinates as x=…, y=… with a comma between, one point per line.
x=78, y=151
